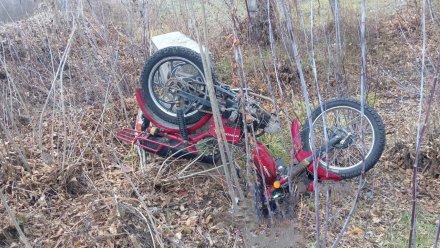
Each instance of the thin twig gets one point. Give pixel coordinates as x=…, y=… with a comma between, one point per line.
x=55, y=77
x=14, y=220
x=219, y=130
x=412, y=236
x=437, y=235
x=150, y=216
x=200, y=172
x=350, y=214
x=297, y=58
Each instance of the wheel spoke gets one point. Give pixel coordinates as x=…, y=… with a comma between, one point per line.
x=175, y=65
x=193, y=79
x=352, y=121
x=169, y=105
x=189, y=107
x=174, y=75
x=158, y=79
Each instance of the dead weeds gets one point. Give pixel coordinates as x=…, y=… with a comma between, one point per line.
x=98, y=195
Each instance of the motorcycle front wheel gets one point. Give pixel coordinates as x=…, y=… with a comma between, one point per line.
x=364, y=145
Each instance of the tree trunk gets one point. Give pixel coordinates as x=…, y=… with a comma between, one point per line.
x=259, y=12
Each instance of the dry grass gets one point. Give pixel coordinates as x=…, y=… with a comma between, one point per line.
x=86, y=188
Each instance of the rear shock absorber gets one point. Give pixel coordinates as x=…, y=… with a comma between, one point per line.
x=181, y=120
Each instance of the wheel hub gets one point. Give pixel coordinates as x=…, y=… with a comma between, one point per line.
x=173, y=85
x=347, y=138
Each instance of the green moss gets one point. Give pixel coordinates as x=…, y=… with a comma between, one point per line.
x=223, y=69
x=372, y=99
x=132, y=157
x=279, y=145
x=426, y=229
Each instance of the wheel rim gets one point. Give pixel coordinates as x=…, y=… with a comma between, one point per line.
x=170, y=75
x=344, y=117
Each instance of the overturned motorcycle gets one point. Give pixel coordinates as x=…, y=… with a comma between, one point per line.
x=343, y=139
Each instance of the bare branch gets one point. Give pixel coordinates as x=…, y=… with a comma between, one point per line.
x=14, y=220
x=16, y=146
x=296, y=56
x=348, y=218
x=437, y=235
x=412, y=242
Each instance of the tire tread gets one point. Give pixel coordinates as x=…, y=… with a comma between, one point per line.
x=378, y=128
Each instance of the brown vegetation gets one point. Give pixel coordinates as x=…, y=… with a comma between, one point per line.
x=66, y=83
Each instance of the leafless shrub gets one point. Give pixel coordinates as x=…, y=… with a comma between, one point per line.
x=66, y=79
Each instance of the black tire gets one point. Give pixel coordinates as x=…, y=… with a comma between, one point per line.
x=152, y=65
x=375, y=123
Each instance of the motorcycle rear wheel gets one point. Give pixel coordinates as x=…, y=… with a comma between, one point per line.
x=168, y=72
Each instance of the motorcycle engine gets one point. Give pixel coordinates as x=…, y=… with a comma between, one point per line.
x=255, y=115
x=261, y=118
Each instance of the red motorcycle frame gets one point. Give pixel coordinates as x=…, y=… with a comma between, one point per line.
x=265, y=163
